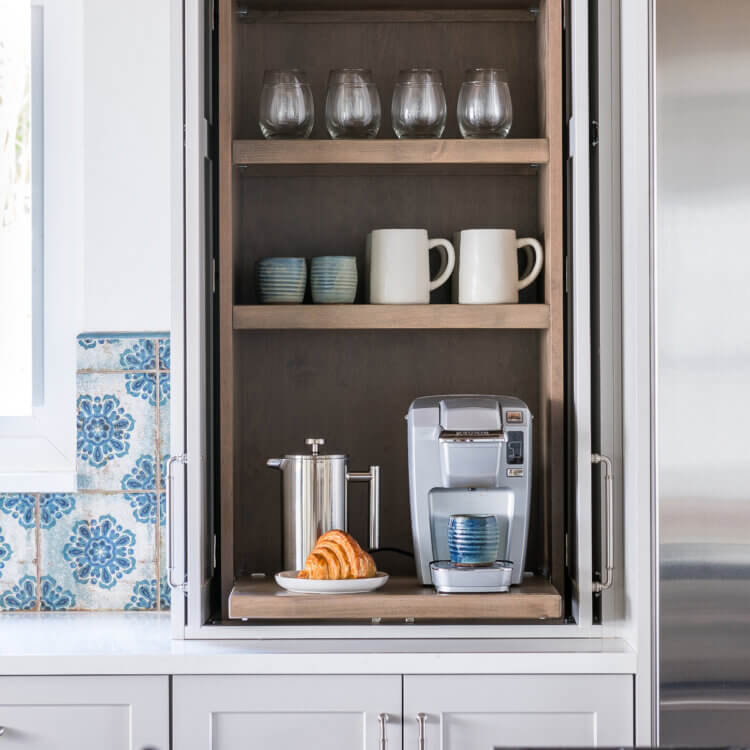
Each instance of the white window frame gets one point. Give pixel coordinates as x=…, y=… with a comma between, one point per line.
x=38, y=452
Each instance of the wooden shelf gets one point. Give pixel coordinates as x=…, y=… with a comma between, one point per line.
x=376, y=15
x=371, y=317
x=534, y=599
x=391, y=151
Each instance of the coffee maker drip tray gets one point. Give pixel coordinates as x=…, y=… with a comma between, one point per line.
x=449, y=578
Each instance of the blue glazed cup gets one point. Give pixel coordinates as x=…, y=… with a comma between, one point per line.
x=333, y=279
x=282, y=281
x=473, y=539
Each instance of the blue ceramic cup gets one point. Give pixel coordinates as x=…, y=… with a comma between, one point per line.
x=333, y=279
x=473, y=539
x=282, y=281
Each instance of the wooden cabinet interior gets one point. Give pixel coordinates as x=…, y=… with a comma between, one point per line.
x=290, y=373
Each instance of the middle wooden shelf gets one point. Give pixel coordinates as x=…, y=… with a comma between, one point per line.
x=372, y=317
x=391, y=151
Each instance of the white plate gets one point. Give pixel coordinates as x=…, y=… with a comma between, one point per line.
x=288, y=580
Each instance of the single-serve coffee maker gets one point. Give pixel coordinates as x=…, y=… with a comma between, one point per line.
x=469, y=455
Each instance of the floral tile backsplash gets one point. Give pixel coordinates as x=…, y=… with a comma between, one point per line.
x=100, y=548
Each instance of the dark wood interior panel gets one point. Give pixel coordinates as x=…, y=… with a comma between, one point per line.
x=386, y=48
x=354, y=389
x=313, y=215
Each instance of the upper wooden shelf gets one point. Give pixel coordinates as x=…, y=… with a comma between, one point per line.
x=372, y=317
x=380, y=15
x=391, y=151
x=400, y=598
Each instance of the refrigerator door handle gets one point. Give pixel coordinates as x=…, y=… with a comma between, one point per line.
x=609, y=571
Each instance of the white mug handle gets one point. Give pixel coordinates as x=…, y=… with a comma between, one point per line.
x=447, y=262
x=538, y=262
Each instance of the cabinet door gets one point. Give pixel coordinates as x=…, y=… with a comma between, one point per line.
x=86, y=713
x=482, y=712
x=286, y=712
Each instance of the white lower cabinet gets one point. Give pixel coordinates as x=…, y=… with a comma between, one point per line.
x=459, y=712
x=85, y=713
x=287, y=712
x=482, y=712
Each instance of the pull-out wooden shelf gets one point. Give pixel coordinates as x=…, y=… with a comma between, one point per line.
x=400, y=598
x=391, y=151
x=372, y=317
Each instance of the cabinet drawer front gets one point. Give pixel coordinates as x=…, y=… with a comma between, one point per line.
x=286, y=712
x=87, y=713
x=481, y=712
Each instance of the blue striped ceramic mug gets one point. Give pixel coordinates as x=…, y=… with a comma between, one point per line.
x=473, y=539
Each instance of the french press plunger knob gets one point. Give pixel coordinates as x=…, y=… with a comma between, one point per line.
x=315, y=443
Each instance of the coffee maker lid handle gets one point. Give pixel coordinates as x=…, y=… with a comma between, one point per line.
x=315, y=443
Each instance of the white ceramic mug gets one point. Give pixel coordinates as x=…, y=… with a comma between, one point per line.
x=487, y=266
x=398, y=261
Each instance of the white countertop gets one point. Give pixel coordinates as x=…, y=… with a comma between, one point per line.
x=140, y=643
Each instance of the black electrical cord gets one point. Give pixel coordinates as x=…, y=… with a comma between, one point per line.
x=392, y=549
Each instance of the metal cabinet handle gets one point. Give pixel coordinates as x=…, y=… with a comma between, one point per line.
x=2, y=731
x=421, y=720
x=382, y=722
x=373, y=477
x=609, y=572
x=181, y=459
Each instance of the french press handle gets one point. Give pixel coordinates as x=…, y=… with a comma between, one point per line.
x=373, y=477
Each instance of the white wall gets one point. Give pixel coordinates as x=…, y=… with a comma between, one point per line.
x=126, y=165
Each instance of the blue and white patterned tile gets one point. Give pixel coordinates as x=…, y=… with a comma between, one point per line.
x=98, y=552
x=164, y=428
x=164, y=349
x=114, y=428
x=17, y=553
x=166, y=592
x=116, y=352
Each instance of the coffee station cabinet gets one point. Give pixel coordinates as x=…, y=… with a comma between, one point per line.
x=260, y=379
x=280, y=374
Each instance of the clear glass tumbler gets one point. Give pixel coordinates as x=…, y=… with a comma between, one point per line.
x=484, y=108
x=286, y=105
x=418, y=108
x=352, y=104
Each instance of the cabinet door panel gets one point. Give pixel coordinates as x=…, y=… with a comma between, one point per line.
x=481, y=712
x=86, y=713
x=285, y=712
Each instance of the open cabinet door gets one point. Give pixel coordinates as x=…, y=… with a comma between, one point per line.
x=578, y=288
x=191, y=536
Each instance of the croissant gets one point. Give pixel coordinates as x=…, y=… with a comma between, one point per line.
x=336, y=556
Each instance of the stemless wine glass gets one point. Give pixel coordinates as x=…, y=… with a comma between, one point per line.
x=418, y=109
x=352, y=104
x=286, y=105
x=484, y=106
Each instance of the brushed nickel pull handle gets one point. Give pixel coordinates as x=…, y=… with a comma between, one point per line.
x=2, y=731
x=182, y=459
x=609, y=572
x=382, y=721
x=421, y=721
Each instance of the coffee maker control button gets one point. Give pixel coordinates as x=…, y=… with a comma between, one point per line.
x=514, y=417
x=514, y=472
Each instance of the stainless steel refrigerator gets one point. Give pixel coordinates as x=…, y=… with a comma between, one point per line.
x=701, y=318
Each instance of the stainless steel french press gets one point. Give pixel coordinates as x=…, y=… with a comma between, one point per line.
x=315, y=499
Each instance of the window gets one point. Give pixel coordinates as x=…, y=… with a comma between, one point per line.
x=41, y=231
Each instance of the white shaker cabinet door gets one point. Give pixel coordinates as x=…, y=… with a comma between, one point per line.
x=286, y=712
x=85, y=713
x=482, y=712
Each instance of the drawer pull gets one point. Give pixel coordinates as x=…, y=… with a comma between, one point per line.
x=2, y=731
x=382, y=721
x=421, y=719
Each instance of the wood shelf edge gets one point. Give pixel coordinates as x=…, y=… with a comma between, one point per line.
x=257, y=152
x=408, y=317
x=535, y=599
